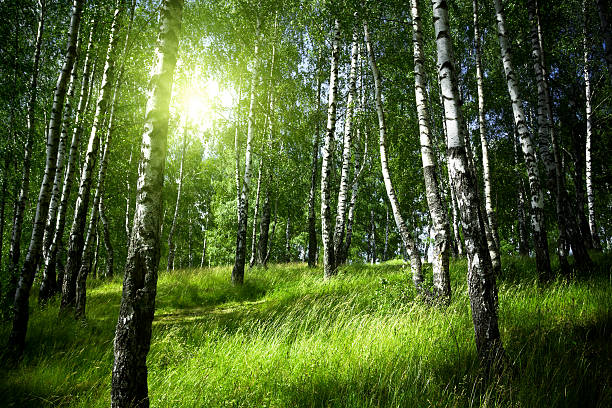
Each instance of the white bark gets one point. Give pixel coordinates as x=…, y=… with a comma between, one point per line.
x=346, y=155
x=407, y=238
x=537, y=196
x=329, y=262
x=240, y=259
x=441, y=229
x=22, y=294
x=589, y=135
x=133, y=332
x=491, y=219
x=76, y=241
x=481, y=280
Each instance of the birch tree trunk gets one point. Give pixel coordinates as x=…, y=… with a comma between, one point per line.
x=312, y=221
x=24, y=190
x=407, y=238
x=523, y=241
x=170, y=263
x=128, y=195
x=76, y=240
x=49, y=286
x=204, y=232
x=359, y=165
x=568, y=229
x=441, y=228
x=255, y=215
x=372, y=238
x=346, y=155
x=482, y=289
x=329, y=261
x=456, y=233
x=133, y=332
x=288, y=239
x=61, y=153
x=108, y=246
x=589, y=130
x=537, y=196
x=386, y=248
x=22, y=294
x=243, y=205
x=491, y=219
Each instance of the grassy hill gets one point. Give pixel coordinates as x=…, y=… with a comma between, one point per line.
x=287, y=338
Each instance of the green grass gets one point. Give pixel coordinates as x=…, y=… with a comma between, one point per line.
x=287, y=338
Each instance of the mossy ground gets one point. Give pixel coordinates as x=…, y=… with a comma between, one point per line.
x=288, y=338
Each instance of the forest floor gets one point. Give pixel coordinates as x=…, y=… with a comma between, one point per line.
x=287, y=338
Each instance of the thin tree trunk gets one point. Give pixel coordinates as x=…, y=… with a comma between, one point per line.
x=24, y=190
x=537, y=196
x=238, y=269
x=386, y=248
x=407, y=238
x=264, y=227
x=457, y=234
x=49, y=286
x=441, y=228
x=568, y=229
x=21, y=304
x=108, y=246
x=77, y=239
x=288, y=240
x=61, y=153
x=133, y=332
x=170, y=263
x=523, y=241
x=128, y=195
x=312, y=222
x=481, y=279
x=329, y=262
x=3, y=206
x=589, y=129
x=346, y=155
x=491, y=219
x=204, y=232
x=372, y=238
x=237, y=156
x=255, y=215
x=358, y=166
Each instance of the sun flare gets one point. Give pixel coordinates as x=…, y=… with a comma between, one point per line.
x=203, y=102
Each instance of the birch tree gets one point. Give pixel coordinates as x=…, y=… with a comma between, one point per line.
x=405, y=234
x=537, y=196
x=491, y=219
x=312, y=221
x=133, y=332
x=77, y=240
x=589, y=130
x=170, y=263
x=482, y=289
x=48, y=286
x=441, y=228
x=329, y=262
x=24, y=189
x=22, y=294
x=339, y=231
x=243, y=204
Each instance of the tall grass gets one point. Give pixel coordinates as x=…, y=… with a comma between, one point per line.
x=287, y=338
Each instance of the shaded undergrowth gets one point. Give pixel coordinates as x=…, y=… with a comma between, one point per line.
x=287, y=338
